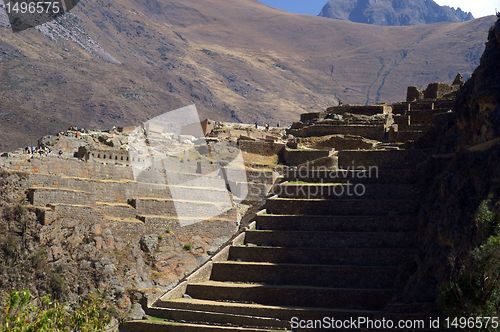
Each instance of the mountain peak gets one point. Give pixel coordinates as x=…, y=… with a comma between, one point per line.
x=393, y=12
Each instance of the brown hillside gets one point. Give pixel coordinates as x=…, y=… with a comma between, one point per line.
x=122, y=62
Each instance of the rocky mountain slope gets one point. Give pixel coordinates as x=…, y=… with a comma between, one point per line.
x=121, y=62
x=393, y=12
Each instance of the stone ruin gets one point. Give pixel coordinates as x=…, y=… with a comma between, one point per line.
x=315, y=248
x=435, y=91
x=147, y=184
x=139, y=184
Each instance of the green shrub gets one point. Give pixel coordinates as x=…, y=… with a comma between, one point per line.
x=187, y=247
x=487, y=221
x=475, y=290
x=22, y=313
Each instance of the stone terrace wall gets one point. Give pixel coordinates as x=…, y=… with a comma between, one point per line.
x=122, y=252
x=261, y=147
x=371, y=132
x=361, y=109
x=298, y=157
x=74, y=168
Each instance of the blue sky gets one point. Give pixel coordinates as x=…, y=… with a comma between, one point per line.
x=312, y=7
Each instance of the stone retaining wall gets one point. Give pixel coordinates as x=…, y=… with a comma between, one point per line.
x=361, y=109
x=261, y=147
x=77, y=168
x=371, y=132
x=307, y=117
x=45, y=196
x=298, y=157
x=58, y=212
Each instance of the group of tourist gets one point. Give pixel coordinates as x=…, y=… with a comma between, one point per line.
x=37, y=150
x=267, y=126
x=40, y=150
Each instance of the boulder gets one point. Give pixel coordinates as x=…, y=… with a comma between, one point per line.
x=148, y=243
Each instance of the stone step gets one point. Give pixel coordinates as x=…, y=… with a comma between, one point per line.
x=195, y=316
x=372, y=175
x=388, y=159
x=344, y=190
x=333, y=256
x=159, y=326
x=370, y=299
x=179, y=208
x=336, y=223
x=342, y=276
x=342, y=207
x=283, y=313
x=291, y=239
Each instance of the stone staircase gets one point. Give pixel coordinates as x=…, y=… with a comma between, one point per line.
x=328, y=243
x=315, y=251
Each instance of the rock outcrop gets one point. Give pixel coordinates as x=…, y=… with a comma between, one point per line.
x=393, y=12
x=478, y=104
x=460, y=181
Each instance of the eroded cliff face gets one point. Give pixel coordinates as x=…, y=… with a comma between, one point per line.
x=459, y=181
